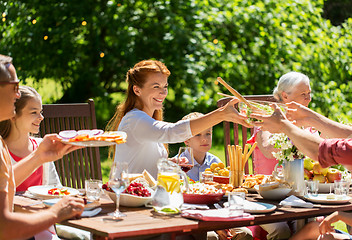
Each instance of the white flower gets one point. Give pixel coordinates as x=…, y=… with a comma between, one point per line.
x=287, y=151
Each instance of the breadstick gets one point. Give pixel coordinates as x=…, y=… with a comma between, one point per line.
x=234, y=151
x=250, y=151
x=245, y=152
x=239, y=165
x=229, y=154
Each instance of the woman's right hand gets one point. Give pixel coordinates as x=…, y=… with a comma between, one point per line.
x=67, y=208
x=232, y=115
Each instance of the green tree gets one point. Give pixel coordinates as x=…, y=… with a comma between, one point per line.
x=88, y=46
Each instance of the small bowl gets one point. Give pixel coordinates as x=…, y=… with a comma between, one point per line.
x=221, y=179
x=202, y=198
x=274, y=194
x=129, y=200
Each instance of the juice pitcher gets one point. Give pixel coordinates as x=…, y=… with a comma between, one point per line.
x=168, y=192
x=292, y=172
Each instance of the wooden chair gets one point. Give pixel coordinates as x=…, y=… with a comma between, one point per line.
x=231, y=130
x=84, y=163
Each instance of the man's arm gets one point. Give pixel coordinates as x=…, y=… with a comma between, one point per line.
x=14, y=225
x=307, y=143
x=307, y=117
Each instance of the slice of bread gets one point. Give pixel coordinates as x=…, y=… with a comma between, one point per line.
x=149, y=178
x=133, y=176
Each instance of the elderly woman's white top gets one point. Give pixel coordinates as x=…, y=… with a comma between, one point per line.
x=145, y=139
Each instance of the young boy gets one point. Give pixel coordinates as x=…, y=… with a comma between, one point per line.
x=201, y=144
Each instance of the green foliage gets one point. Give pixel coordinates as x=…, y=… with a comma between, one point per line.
x=248, y=43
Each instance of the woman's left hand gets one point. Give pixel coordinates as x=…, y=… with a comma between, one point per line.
x=232, y=115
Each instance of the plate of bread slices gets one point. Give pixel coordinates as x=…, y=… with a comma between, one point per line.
x=92, y=138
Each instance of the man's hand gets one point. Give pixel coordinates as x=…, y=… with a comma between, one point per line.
x=299, y=114
x=52, y=149
x=274, y=123
x=325, y=225
x=67, y=208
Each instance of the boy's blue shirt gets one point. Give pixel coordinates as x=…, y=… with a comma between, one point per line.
x=194, y=172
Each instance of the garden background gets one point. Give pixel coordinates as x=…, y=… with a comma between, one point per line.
x=74, y=50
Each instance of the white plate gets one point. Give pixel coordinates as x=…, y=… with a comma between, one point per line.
x=42, y=191
x=258, y=207
x=96, y=143
x=90, y=143
x=89, y=206
x=322, y=198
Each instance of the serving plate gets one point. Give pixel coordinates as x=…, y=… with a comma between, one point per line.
x=258, y=207
x=96, y=143
x=42, y=191
x=90, y=143
x=210, y=198
x=322, y=198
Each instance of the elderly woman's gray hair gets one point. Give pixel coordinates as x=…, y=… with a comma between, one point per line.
x=287, y=82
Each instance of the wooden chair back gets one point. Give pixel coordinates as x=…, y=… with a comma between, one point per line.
x=84, y=163
x=231, y=130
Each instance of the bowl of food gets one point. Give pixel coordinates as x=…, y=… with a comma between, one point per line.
x=273, y=190
x=209, y=198
x=135, y=195
x=260, y=107
x=221, y=179
x=202, y=193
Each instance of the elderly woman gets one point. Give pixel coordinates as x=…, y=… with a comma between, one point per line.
x=292, y=86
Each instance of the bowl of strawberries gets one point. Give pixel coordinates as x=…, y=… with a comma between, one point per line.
x=135, y=195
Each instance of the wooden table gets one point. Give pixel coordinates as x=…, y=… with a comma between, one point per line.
x=141, y=222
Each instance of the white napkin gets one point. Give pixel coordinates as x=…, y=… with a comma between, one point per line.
x=91, y=213
x=216, y=215
x=294, y=201
x=194, y=206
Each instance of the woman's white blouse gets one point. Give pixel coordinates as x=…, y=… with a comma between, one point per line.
x=145, y=139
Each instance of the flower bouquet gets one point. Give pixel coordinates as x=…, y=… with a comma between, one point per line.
x=292, y=161
x=287, y=151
